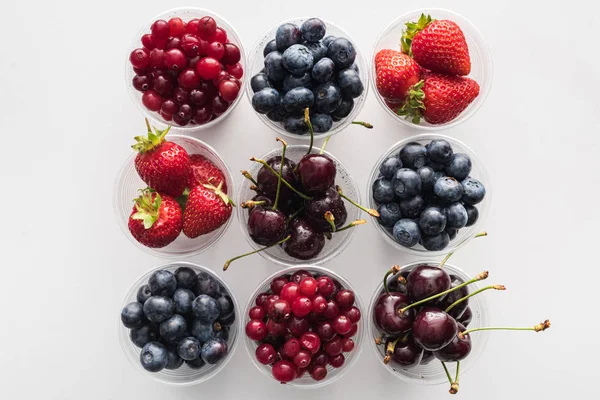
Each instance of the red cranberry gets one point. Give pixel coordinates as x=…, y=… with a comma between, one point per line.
x=185, y=111
x=265, y=353
x=139, y=58
x=256, y=329
x=342, y=324
x=192, y=62
x=160, y=29
x=277, y=284
x=326, y=286
x=291, y=347
x=255, y=312
x=175, y=59
x=198, y=98
x=207, y=27
x=308, y=286
x=160, y=43
x=209, y=89
x=140, y=71
x=151, y=100
x=353, y=314
x=147, y=41
x=179, y=120
x=347, y=345
x=319, y=359
x=188, y=79
x=215, y=50
x=162, y=85
x=300, y=372
x=192, y=26
x=284, y=371
x=333, y=347
x=290, y=291
x=337, y=361
x=310, y=341
x=181, y=95
x=277, y=328
x=208, y=68
x=262, y=297
x=298, y=326
x=325, y=330
x=220, y=36
x=190, y=45
x=332, y=310
x=318, y=372
x=169, y=107
x=232, y=54
x=299, y=275
x=236, y=70
x=319, y=304
x=173, y=43
x=202, y=115
x=302, y=306
x=157, y=58
x=166, y=117
x=176, y=26
x=271, y=299
x=344, y=298
x=352, y=331
x=228, y=90
x=279, y=310
x=141, y=82
x=302, y=359
x=221, y=76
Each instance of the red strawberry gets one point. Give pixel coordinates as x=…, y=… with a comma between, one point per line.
x=155, y=220
x=396, y=73
x=437, y=45
x=164, y=166
x=439, y=98
x=203, y=171
x=207, y=209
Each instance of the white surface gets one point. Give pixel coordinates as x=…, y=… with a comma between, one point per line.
x=67, y=123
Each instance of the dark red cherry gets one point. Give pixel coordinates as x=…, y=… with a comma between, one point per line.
x=406, y=352
x=387, y=313
x=458, y=349
x=267, y=181
x=466, y=317
x=305, y=243
x=425, y=281
x=316, y=172
x=329, y=200
x=450, y=298
x=297, y=326
x=433, y=328
x=266, y=226
x=395, y=286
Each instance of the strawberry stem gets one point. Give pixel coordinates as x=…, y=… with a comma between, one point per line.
x=147, y=208
x=284, y=144
x=220, y=193
x=154, y=139
x=228, y=262
x=414, y=106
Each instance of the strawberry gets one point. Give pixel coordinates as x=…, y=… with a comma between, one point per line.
x=203, y=171
x=395, y=74
x=155, y=220
x=207, y=209
x=163, y=165
x=439, y=98
x=437, y=45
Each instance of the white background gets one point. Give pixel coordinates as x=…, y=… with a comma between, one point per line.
x=67, y=123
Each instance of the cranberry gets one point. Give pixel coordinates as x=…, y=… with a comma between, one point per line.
x=290, y=291
x=291, y=347
x=198, y=97
x=276, y=328
x=333, y=347
x=221, y=76
x=176, y=27
x=302, y=359
x=157, y=58
x=319, y=304
x=347, y=345
x=140, y=71
x=188, y=79
x=342, y=324
x=300, y=372
x=262, y=297
x=139, y=58
x=193, y=61
x=299, y=275
x=169, y=107
x=207, y=27
x=215, y=50
x=232, y=54
x=279, y=310
x=175, y=59
x=181, y=95
x=310, y=341
x=166, y=117
x=220, y=36
x=298, y=326
x=256, y=312
x=345, y=298
x=270, y=299
x=162, y=85
x=160, y=29
x=179, y=120
x=208, y=68
x=265, y=353
x=202, y=115
x=236, y=70
x=219, y=106
x=337, y=361
x=325, y=330
x=192, y=26
x=332, y=310
x=302, y=306
x=256, y=329
x=284, y=371
x=151, y=100
x=353, y=314
x=190, y=45
x=319, y=359
x=160, y=43
x=147, y=41
x=277, y=284
x=141, y=82
x=173, y=43
x=185, y=111
x=308, y=286
x=209, y=89
x=326, y=286
x=352, y=331
x=318, y=372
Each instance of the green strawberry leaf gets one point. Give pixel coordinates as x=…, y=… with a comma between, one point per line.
x=154, y=139
x=414, y=106
x=411, y=30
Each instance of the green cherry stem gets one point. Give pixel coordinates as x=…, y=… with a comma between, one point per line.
x=284, y=144
x=447, y=373
x=480, y=234
x=454, y=385
x=389, y=350
x=351, y=225
x=286, y=183
x=295, y=214
x=362, y=123
x=310, y=129
x=536, y=328
x=392, y=271
x=324, y=144
x=252, y=203
x=330, y=219
x=247, y=175
x=370, y=211
x=228, y=262
x=495, y=287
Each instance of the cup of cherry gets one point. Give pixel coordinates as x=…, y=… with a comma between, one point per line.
x=303, y=326
x=186, y=68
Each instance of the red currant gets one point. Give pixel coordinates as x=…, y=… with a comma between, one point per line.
x=326, y=286
x=207, y=27
x=256, y=329
x=175, y=59
x=265, y=353
x=302, y=359
x=147, y=41
x=291, y=347
x=302, y=306
x=215, y=50
x=277, y=284
x=290, y=291
x=232, y=54
x=188, y=79
x=284, y=371
x=141, y=82
x=347, y=345
x=310, y=341
x=169, y=107
x=208, y=68
x=236, y=70
x=192, y=26
x=319, y=304
x=176, y=27
x=228, y=90
x=202, y=115
x=160, y=29
x=220, y=35
x=337, y=361
x=139, y=58
x=318, y=372
x=190, y=45
x=151, y=100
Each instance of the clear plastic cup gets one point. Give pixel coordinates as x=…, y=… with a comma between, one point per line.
x=481, y=62
x=338, y=241
x=256, y=64
x=186, y=14
x=333, y=374
x=478, y=172
x=128, y=184
x=184, y=375
x=433, y=373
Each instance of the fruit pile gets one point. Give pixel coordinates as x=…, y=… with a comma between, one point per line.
x=306, y=69
x=189, y=73
x=186, y=192
x=426, y=78
x=303, y=323
x=180, y=317
x=425, y=194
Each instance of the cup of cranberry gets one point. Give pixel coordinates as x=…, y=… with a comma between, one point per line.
x=186, y=68
x=303, y=326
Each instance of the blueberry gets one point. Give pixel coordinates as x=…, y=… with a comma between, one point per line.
x=277, y=85
x=174, y=328
x=432, y=221
x=278, y=115
x=473, y=191
x=228, y=320
x=222, y=333
x=270, y=47
x=295, y=124
x=162, y=283
x=132, y=315
x=143, y=294
x=321, y=122
x=189, y=348
x=159, y=309
x=154, y=356
x=389, y=214
x=259, y=82
x=350, y=83
x=327, y=40
x=203, y=331
x=297, y=59
x=323, y=70
x=413, y=155
x=297, y=99
x=294, y=81
x=452, y=233
x=355, y=68
x=406, y=183
x=437, y=175
x=183, y=300
x=207, y=285
x=274, y=66
x=472, y=213
x=383, y=191
x=185, y=277
x=435, y=242
x=456, y=216
x=440, y=151
x=287, y=35
x=318, y=50
x=225, y=305
x=342, y=52
x=313, y=29
x=196, y=364
x=427, y=176
x=213, y=351
x=205, y=308
x=266, y=100
x=174, y=361
x=343, y=110
x=460, y=166
x=328, y=97
x=141, y=336
x=436, y=167
x=448, y=189
x=413, y=207
x=406, y=232
x=389, y=166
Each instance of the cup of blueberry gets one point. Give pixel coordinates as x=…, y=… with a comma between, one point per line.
x=179, y=324
x=307, y=63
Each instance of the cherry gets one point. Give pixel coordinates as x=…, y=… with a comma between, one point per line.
x=345, y=298
x=176, y=26
x=353, y=314
x=290, y=291
x=433, y=328
x=325, y=285
x=261, y=299
x=298, y=326
x=151, y=100
x=202, y=115
x=318, y=372
x=267, y=181
x=173, y=43
x=332, y=310
x=302, y=359
x=141, y=82
x=207, y=27
x=198, y=97
x=427, y=357
x=305, y=243
x=316, y=172
x=284, y=371
x=279, y=310
x=404, y=351
x=458, y=349
x=266, y=226
x=160, y=29
x=319, y=304
x=231, y=54
x=139, y=58
x=236, y=70
x=157, y=58
x=185, y=112
x=337, y=361
x=334, y=346
x=342, y=324
x=257, y=312
x=277, y=284
x=228, y=90
x=310, y=341
x=162, y=85
x=425, y=281
x=175, y=59
x=192, y=26
x=450, y=298
x=308, y=286
x=319, y=359
x=347, y=345
x=394, y=284
x=256, y=329
x=169, y=107
x=466, y=317
x=327, y=201
x=302, y=306
x=325, y=330
x=387, y=313
x=276, y=328
x=215, y=50
x=219, y=106
x=220, y=35
x=265, y=353
x=147, y=41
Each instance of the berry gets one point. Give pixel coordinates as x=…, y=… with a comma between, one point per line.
x=236, y=70
x=133, y=316
x=303, y=80
x=154, y=357
x=313, y=29
x=207, y=209
x=413, y=155
x=311, y=342
x=317, y=49
x=350, y=83
x=157, y=58
x=279, y=310
x=459, y=167
x=395, y=73
x=318, y=372
x=412, y=208
x=270, y=47
x=472, y=213
x=456, y=216
x=327, y=97
x=265, y=353
x=274, y=66
x=266, y=100
x=139, y=58
x=406, y=183
x=389, y=167
x=189, y=348
x=259, y=82
x=308, y=286
x=208, y=68
x=436, y=242
x=205, y=308
x=228, y=90
x=151, y=100
x=155, y=221
x=473, y=191
x=286, y=36
x=347, y=345
x=345, y=298
x=297, y=326
x=297, y=99
x=343, y=110
x=231, y=54
x=256, y=329
x=433, y=329
x=406, y=232
x=214, y=350
x=440, y=151
x=297, y=59
x=215, y=50
x=207, y=27
x=203, y=171
x=383, y=190
x=302, y=359
x=220, y=35
x=175, y=59
x=326, y=287
x=158, y=309
x=141, y=82
x=337, y=361
x=342, y=52
x=342, y=324
x=173, y=329
x=284, y=371
x=427, y=178
x=302, y=306
x=143, y=294
x=162, y=283
x=332, y=310
x=147, y=42
x=448, y=189
x=432, y=221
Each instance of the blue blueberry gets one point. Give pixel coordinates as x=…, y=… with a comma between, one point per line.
x=142, y=335
x=195, y=364
x=323, y=70
x=439, y=151
x=383, y=191
x=436, y=167
x=222, y=333
x=266, y=100
x=355, y=68
x=472, y=213
x=174, y=361
x=162, y=283
x=225, y=305
x=328, y=97
x=295, y=124
x=321, y=122
x=438, y=175
x=413, y=155
x=297, y=59
x=294, y=81
x=227, y=320
x=270, y=47
x=342, y=52
x=143, y=294
x=343, y=110
x=389, y=166
x=427, y=176
x=185, y=277
x=459, y=167
x=278, y=114
x=448, y=189
x=259, y=82
x=406, y=232
x=452, y=233
x=389, y=214
x=159, y=309
x=328, y=39
x=183, y=299
x=173, y=329
x=406, y=183
x=456, y=216
x=274, y=66
x=350, y=83
x=413, y=207
x=432, y=221
x=203, y=331
x=213, y=351
x=154, y=356
x=189, y=348
x=286, y=36
x=318, y=50
x=205, y=308
x=297, y=99
x=132, y=315
x=435, y=242
x=473, y=191
x=313, y=30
